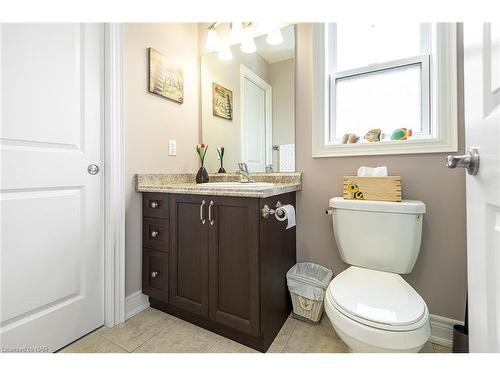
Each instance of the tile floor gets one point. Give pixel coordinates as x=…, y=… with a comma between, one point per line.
x=153, y=331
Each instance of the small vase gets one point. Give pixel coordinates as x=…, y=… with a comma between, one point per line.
x=221, y=169
x=202, y=175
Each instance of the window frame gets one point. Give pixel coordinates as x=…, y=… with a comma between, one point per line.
x=439, y=96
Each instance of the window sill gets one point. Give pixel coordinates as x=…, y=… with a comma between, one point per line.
x=414, y=146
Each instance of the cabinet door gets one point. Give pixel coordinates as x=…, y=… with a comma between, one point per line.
x=155, y=274
x=189, y=253
x=234, y=263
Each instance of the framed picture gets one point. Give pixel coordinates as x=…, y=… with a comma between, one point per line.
x=166, y=78
x=222, y=101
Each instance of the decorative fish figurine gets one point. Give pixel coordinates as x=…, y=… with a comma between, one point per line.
x=374, y=135
x=350, y=138
x=401, y=134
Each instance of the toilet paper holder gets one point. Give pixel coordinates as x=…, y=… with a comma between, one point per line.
x=267, y=211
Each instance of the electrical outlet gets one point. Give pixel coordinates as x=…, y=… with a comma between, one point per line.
x=172, y=147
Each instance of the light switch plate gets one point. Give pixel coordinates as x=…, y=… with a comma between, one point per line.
x=172, y=147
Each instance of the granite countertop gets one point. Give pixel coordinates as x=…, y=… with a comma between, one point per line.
x=185, y=183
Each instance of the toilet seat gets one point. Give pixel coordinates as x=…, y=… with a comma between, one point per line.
x=377, y=299
x=389, y=325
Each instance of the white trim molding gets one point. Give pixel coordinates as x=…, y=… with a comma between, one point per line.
x=247, y=73
x=114, y=253
x=442, y=330
x=135, y=303
x=443, y=100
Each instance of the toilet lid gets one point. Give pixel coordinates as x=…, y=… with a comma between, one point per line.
x=379, y=297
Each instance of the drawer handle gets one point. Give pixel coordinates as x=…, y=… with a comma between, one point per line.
x=154, y=274
x=154, y=204
x=154, y=234
x=201, y=212
x=210, y=213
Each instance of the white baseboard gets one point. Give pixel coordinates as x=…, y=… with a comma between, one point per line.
x=135, y=303
x=442, y=330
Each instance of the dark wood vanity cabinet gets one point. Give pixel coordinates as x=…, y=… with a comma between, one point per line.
x=234, y=269
x=226, y=264
x=189, y=253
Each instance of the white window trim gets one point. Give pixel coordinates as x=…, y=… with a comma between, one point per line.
x=443, y=112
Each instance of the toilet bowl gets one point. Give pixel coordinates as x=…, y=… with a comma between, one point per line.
x=374, y=311
x=370, y=306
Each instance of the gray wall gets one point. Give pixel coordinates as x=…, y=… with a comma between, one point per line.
x=150, y=121
x=440, y=272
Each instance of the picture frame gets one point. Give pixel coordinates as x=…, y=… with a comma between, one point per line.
x=222, y=101
x=166, y=77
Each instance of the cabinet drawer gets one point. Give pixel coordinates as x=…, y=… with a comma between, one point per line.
x=155, y=205
x=155, y=274
x=155, y=233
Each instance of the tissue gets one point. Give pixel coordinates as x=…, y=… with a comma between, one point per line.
x=372, y=172
x=287, y=212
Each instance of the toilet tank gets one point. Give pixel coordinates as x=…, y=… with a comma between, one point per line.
x=378, y=235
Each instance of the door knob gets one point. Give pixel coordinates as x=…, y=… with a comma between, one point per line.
x=93, y=169
x=470, y=161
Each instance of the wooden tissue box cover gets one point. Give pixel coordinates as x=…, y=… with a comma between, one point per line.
x=373, y=188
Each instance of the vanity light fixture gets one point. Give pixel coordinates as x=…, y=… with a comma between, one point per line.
x=240, y=33
x=248, y=43
x=236, y=35
x=274, y=37
x=213, y=41
x=225, y=52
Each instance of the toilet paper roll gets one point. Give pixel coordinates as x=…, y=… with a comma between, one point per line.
x=287, y=212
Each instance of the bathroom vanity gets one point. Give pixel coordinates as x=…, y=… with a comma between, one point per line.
x=211, y=257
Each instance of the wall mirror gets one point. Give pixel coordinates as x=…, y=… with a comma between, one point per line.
x=248, y=102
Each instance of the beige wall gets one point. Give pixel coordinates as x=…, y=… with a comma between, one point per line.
x=440, y=272
x=281, y=78
x=150, y=121
x=217, y=131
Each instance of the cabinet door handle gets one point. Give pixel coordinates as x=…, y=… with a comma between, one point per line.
x=154, y=274
x=201, y=212
x=210, y=213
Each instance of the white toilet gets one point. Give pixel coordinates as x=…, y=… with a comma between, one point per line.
x=369, y=304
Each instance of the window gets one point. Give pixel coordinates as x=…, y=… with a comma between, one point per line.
x=384, y=76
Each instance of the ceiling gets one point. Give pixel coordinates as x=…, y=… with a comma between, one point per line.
x=283, y=51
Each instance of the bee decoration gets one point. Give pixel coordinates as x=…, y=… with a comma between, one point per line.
x=354, y=190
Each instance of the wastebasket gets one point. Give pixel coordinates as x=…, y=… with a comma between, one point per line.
x=307, y=283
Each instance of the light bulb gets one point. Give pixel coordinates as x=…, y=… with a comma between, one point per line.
x=236, y=35
x=264, y=27
x=225, y=53
x=274, y=37
x=248, y=43
x=213, y=42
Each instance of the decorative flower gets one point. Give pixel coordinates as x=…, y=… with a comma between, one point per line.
x=220, y=151
x=201, y=149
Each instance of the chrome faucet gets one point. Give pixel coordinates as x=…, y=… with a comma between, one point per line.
x=243, y=172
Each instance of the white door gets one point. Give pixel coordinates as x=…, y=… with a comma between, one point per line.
x=51, y=206
x=482, y=128
x=256, y=121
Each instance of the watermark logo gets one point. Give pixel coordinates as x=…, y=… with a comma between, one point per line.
x=24, y=349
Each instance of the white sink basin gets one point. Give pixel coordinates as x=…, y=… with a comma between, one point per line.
x=238, y=185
